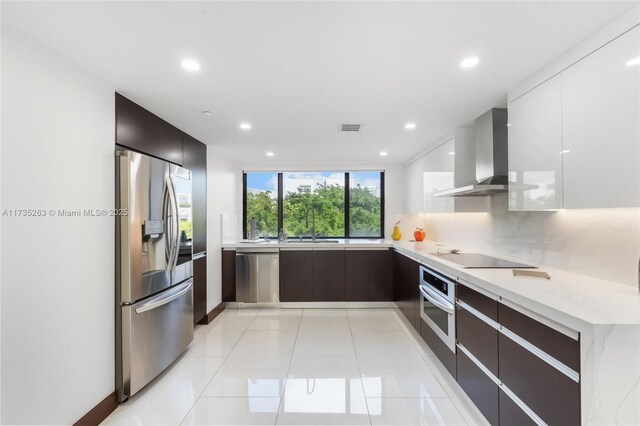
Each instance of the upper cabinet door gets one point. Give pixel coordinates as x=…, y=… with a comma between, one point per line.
x=601, y=126
x=449, y=166
x=414, y=185
x=141, y=130
x=535, y=146
x=439, y=176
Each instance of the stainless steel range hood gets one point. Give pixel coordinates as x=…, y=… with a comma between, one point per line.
x=491, y=158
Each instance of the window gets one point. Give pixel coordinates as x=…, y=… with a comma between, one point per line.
x=261, y=203
x=345, y=204
x=365, y=207
x=313, y=193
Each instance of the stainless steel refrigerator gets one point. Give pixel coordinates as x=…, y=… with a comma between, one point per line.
x=154, y=279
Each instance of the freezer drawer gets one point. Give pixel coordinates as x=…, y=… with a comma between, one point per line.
x=257, y=277
x=155, y=332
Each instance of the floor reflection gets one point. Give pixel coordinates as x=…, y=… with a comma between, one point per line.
x=324, y=396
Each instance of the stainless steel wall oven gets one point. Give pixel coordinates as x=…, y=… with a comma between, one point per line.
x=437, y=304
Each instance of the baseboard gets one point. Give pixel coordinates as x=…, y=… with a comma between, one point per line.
x=97, y=414
x=211, y=315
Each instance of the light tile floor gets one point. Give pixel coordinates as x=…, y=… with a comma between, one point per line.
x=295, y=366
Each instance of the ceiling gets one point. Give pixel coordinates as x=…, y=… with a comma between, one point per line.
x=296, y=70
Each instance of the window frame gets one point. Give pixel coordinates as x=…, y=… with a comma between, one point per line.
x=347, y=207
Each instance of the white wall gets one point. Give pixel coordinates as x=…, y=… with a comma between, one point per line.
x=57, y=272
x=222, y=195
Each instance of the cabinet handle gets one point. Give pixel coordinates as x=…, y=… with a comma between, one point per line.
x=477, y=362
x=524, y=407
x=482, y=317
x=199, y=255
x=528, y=411
x=567, y=371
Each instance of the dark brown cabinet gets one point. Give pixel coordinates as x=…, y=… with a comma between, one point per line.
x=145, y=132
x=296, y=275
x=534, y=360
x=503, y=352
x=477, y=333
x=336, y=275
x=482, y=390
x=512, y=414
x=195, y=159
x=477, y=336
x=228, y=275
x=199, y=289
x=481, y=303
x=551, y=394
x=369, y=275
x=328, y=276
x=558, y=345
x=405, y=287
x=446, y=356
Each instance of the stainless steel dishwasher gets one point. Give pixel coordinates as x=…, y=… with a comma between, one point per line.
x=257, y=275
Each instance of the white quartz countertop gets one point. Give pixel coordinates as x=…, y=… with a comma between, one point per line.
x=576, y=301
x=568, y=298
x=293, y=242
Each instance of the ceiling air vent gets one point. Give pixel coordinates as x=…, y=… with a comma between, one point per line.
x=350, y=128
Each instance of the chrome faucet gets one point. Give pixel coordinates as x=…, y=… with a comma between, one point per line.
x=313, y=222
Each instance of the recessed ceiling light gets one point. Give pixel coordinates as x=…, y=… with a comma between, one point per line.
x=508, y=124
x=410, y=126
x=207, y=113
x=245, y=126
x=565, y=151
x=190, y=65
x=383, y=153
x=634, y=61
x=270, y=154
x=452, y=153
x=469, y=62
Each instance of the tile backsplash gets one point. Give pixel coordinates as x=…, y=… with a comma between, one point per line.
x=601, y=243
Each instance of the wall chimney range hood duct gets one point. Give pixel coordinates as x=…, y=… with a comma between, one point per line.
x=491, y=158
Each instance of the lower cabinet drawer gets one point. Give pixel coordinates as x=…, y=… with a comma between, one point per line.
x=511, y=414
x=548, y=392
x=479, y=387
x=561, y=347
x=442, y=351
x=477, y=337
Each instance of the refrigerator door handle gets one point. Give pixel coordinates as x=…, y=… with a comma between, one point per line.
x=166, y=213
x=172, y=225
x=176, y=218
x=172, y=295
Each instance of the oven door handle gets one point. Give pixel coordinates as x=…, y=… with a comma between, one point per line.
x=447, y=307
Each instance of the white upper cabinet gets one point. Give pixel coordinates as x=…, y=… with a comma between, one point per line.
x=601, y=126
x=439, y=176
x=414, y=186
x=449, y=166
x=574, y=135
x=535, y=146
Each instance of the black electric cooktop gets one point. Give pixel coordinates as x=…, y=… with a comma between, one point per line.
x=477, y=260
